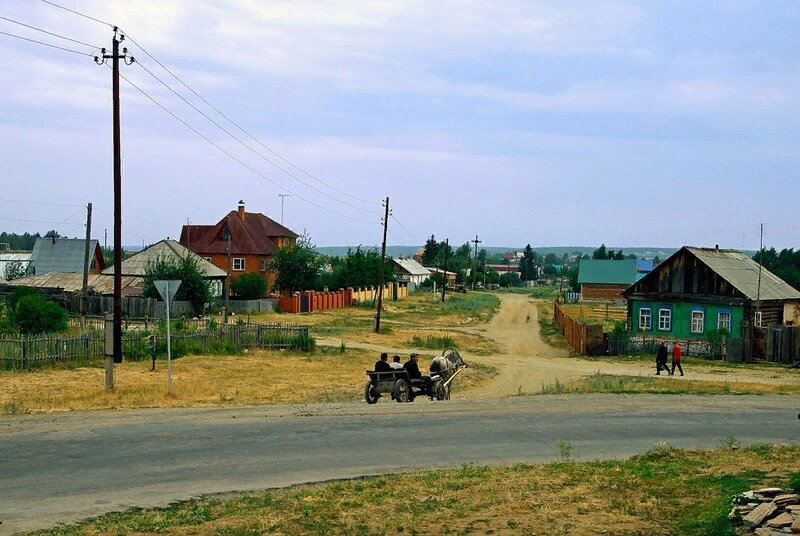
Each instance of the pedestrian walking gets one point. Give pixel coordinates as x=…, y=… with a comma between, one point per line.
x=676, y=358
x=661, y=358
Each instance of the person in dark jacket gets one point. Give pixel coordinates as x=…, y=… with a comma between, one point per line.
x=412, y=367
x=661, y=358
x=382, y=365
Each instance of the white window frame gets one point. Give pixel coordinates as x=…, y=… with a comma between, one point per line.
x=263, y=264
x=646, y=320
x=697, y=321
x=665, y=320
x=726, y=324
x=758, y=319
x=237, y=261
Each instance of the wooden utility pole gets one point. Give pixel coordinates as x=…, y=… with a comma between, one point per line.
x=383, y=262
x=760, y=263
x=444, y=281
x=475, y=261
x=115, y=56
x=86, y=265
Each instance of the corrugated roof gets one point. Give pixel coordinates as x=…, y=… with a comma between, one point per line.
x=64, y=255
x=742, y=272
x=135, y=265
x=411, y=266
x=595, y=271
x=72, y=282
x=249, y=236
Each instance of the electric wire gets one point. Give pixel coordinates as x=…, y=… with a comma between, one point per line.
x=249, y=148
x=47, y=44
x=39, y=203
x=409, y=233
x=78, y=13
x=50, y=33
x=232, y=122
x=235, y=158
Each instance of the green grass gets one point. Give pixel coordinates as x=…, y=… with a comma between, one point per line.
x=435, y=342
x=661, y=491
x=548, y=330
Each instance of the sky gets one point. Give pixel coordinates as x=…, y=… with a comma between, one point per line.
x=544, y=123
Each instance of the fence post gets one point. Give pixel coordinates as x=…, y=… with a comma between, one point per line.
x=25, y=352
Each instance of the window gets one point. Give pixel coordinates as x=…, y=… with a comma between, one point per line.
x=724, y=320
x=263, y=265
x=645, y=319
x=665, y=319
x=698, y=321
x=238, y=264
x=758, y=319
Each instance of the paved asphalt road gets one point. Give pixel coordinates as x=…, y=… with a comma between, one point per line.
x=60, y=468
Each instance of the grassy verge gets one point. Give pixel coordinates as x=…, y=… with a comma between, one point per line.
x=548, y=330
x=663, y=491
x=605, y=383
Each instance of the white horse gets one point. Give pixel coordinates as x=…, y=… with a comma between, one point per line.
x=447, y=365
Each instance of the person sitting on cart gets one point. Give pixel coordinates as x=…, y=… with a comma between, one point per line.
x=382, y=365
x=396, y=364
x=412, y=367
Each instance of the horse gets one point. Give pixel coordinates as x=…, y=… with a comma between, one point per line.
x=446, y=365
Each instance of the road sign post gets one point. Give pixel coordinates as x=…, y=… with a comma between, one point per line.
x=167, y=288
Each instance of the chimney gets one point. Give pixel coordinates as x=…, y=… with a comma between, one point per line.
x=716, y=247
x=241, y=210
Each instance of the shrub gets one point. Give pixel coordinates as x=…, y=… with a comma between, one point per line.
x=250, y=286
x=33, y=314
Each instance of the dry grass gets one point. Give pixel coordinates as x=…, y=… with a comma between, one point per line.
x=663, y=491
x=258, y=377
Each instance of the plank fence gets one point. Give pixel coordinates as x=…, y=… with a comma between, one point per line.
x=29, y=352
x=584, y=339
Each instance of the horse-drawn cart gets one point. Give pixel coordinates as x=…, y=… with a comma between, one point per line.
x=403, y=388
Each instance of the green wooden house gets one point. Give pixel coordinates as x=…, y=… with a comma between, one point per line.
x=698, y=290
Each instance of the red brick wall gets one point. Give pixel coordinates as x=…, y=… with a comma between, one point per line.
x=252, y=265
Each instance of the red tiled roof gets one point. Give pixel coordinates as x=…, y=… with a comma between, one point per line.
x=249, y=236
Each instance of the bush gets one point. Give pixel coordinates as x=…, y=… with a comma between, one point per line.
x=250, y=286
x=33, y=314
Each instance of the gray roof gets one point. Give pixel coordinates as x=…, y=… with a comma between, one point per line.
x=411, y=266
x=742, y=272
x=72, y=282
x=135, y=265
x=64, y=255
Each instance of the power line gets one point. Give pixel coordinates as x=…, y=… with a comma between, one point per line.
x=46, y=44
x=77, y=13
x=238, y=160
x=50, y=33
x=39, y=221
x=40, y=203
x=248, y=134
x=409, y=233
x=243, y=144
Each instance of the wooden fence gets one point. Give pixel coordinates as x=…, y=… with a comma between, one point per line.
x=30, y=352
x=774, y=344
x=584, y=339
x=97, y=323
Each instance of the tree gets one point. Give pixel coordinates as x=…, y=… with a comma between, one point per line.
x=360, y=268
x=194, y=287
x=510, y=279
x=550, y=259
x=17, y=270
x=32, y=314
x=600, y=253
x=250, y=286
x=572, y=276
x=785, y=264
x=526, y=265
x=431, y=252
x=297, y=267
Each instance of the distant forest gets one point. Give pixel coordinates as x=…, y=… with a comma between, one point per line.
x=785, y=264
x=22, y=242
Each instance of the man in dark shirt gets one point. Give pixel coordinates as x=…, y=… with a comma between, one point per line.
x=412, y=366
x=382, y=365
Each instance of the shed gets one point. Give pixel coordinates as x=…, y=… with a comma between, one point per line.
x=606, y=279
x=65, y=255
x=409, y=270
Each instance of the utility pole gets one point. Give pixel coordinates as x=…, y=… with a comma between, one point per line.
x=444, y=283
x=760, y=263
x=475, y=261
x=226, y=285
x=86, y=265
x=115, y=56
x=283, y=196
x=383, y=261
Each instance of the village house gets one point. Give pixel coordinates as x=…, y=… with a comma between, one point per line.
x=65, y=255
x=410, y=271
x=248, y=239
x=699, y=290
x=606, y=279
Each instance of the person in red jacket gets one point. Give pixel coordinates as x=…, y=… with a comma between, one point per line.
x=676, y=358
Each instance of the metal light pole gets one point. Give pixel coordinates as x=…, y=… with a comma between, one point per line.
x=283, y=196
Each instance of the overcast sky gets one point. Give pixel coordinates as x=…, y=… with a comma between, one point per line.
x=549, y=123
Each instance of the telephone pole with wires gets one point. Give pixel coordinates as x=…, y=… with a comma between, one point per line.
x=475, y=261
x=383, y=262
x=115, y=56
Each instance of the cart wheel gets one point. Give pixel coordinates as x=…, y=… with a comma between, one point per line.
x=370, y=394
x=402, y=391
x=441, y=392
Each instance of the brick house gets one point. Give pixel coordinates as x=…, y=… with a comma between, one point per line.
x=253, y=237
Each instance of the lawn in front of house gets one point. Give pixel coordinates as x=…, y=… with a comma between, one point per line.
x=662, y=491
